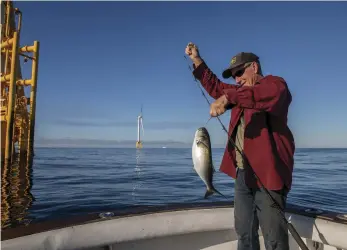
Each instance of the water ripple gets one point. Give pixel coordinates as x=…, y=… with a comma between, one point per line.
x=68, y=182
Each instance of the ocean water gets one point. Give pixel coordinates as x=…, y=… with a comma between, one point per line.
x=64, y=182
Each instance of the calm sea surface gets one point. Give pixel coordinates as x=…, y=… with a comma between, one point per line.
x=66, y=182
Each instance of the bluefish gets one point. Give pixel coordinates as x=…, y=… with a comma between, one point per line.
x=202, y=159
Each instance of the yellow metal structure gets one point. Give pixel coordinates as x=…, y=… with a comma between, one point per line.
x=17, y=110
x=138, y=144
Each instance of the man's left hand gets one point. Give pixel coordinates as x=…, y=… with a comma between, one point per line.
x=219, y=106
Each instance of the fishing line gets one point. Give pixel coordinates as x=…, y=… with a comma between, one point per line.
x=208, y=120
x=275, y=204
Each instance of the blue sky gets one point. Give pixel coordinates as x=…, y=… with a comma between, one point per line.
x=100, y=61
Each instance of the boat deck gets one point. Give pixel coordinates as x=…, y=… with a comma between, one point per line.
x=195, y=226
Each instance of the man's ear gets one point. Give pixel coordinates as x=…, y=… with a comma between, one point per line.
x=255, y=67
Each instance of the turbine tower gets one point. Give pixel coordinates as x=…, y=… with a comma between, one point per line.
x=139, y=121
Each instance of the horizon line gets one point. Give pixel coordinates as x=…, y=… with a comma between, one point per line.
x=155, y=147
x=111, y=143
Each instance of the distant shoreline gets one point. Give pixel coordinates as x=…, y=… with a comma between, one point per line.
x=155, y=147
x=100, y=143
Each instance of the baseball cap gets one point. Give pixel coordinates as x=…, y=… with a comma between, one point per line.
x=239, y=59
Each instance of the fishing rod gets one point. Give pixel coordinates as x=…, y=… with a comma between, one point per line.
x=275, y=204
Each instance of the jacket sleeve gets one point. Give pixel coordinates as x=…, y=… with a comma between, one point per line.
x=271, y=95
x=210, y=81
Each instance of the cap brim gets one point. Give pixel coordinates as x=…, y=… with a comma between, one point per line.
x=227, y=73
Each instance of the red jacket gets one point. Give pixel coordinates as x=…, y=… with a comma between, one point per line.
x=268, y=142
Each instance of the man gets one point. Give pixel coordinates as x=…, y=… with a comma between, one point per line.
x=258, y=126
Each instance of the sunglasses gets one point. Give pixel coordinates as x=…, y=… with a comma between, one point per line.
x=241, y=71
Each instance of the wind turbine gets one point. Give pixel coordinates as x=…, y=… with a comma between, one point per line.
x=139, y=121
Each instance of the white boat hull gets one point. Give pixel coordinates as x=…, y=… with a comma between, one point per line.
x=193, y=228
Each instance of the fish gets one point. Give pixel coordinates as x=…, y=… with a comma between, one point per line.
x=202, y=160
